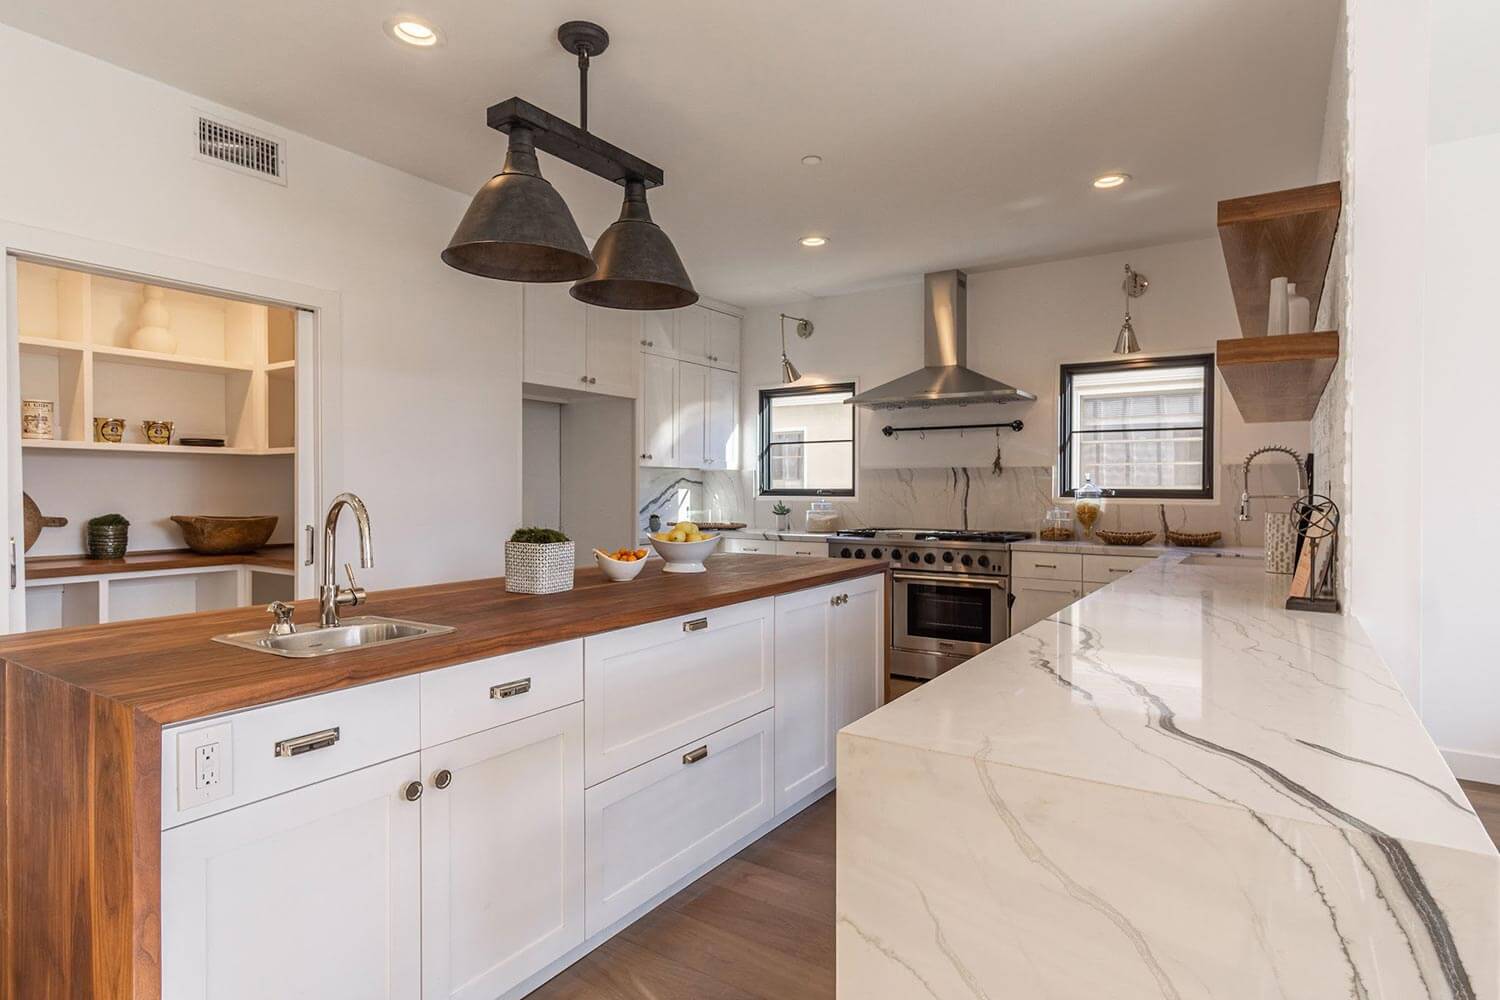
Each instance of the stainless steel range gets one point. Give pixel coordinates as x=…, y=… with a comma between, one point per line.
x=950, y=594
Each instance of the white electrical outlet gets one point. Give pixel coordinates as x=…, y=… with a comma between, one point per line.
x=205, y=767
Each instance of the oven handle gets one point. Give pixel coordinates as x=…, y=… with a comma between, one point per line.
x=998, y=583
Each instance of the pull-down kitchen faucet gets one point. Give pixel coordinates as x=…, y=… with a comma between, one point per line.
x=1302, y=483
x=331, y=596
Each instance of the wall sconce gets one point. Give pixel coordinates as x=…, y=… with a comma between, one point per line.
x=1135, y=286
x=789, y=372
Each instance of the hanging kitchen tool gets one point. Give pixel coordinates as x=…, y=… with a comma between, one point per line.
x=35, y=522
x=998, y=465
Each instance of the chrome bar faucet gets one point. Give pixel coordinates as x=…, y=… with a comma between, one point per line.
x=1245, y=497
x=331, y=596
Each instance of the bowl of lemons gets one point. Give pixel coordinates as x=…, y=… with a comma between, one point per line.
x=683, y=547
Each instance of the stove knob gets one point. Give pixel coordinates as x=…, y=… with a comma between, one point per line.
x=967, y=560
x=947, y=557
x=984, y=561
x=874, y=553
x=859, y=553
x=896, y=554
x=929, y=559
x=844, y=552
x=913, y=558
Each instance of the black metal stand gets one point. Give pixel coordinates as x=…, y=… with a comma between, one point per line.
x=1014, y=425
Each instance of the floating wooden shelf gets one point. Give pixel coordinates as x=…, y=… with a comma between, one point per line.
x=1283, y=234
x=132, y=448
x=1278, y=378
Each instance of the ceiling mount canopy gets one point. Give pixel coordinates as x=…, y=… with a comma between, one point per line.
x=518, y=228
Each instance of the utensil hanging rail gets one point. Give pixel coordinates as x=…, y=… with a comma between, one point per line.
x=1014, y=425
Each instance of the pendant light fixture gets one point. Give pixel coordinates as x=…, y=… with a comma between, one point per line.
x=789, y=372
x=518, y=228
x=1135, y=286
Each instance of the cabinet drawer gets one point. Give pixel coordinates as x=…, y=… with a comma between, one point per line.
x=465, y=699
x=650, y=688
x=1103, y=569
x=262, y=752
x=758, y=546
x=1046, y=565
x=802, y=549
x=655, y=824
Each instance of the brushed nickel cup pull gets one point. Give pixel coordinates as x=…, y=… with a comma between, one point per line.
x=443, y=778
x=511, y=688
x=412, y=791
x=694, y=756
x=298, y=745
x=695, y=625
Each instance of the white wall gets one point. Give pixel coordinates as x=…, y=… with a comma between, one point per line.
x=429, y=427
x=541, y=463
x=1023, y=323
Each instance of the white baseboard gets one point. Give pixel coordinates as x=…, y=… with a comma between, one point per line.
x=1474, y=766
x=558, y=966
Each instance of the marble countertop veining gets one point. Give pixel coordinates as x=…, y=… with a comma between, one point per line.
x=1173, y=788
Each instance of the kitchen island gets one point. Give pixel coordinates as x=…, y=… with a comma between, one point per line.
x=1173, y=788
x=459, y=815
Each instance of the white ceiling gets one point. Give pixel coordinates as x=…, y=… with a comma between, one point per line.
x=954, y=132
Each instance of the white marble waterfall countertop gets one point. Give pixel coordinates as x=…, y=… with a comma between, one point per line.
x=1173, y=788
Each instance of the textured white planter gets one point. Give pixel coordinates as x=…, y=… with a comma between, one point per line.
x=538, y=569
x=1281, y=542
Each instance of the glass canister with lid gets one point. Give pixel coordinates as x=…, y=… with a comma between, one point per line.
x=822, y=517
x=1057, y=525
x=1088, y=505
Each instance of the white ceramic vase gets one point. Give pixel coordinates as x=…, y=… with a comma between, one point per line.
x=152, y=334
x=1298, y=311
x=1276, y=314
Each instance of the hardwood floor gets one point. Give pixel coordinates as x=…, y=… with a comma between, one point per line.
x=758, y=927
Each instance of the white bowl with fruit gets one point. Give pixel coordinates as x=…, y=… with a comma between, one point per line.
x=621, y=565
x=683, y=548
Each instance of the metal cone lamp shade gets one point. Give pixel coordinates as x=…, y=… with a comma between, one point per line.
x=518, y=228
x=638, y=266
x=789, y=372
x=1126, y=343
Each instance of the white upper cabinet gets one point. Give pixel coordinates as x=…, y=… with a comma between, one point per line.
x=569, y=345
x=659, y=332
x=611, y=350
x=724, y=341
x=692, y=416
x=657, y=412
x=722, y=433
x=555, y=329
x=691, y=333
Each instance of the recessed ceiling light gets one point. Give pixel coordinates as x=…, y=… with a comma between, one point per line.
x=1110, y=180
x=811, y=160
x=412, y=31
x=813, y=241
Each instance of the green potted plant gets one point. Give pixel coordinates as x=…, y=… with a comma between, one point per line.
x=783, y=516
x=108, y=535
x=538, y=561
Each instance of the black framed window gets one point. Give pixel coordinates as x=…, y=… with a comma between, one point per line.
x=1140, y=428
x=807, y=441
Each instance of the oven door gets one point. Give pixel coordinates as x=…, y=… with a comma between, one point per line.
x=947, y=613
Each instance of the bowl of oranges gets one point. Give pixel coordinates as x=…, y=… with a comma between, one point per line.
x=621, y=564
x=683, y=547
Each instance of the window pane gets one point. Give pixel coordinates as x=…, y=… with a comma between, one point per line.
x=1138, y=428
x=823, y=417
x=809, y=442
x=823, y=466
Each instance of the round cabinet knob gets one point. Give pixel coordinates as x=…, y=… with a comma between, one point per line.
x=984, y=560
x=412, y=791
x=874, y=553
x=947, y=557
x=967, y=560
x=859, y=553
x=929, y=559
x=913, y=558
x=443, y=778
x=844, y=552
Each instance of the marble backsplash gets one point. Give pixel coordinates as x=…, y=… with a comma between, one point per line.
x=958, y=498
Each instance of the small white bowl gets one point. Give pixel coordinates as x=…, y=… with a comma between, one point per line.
x=685, y=557
x=619, y=570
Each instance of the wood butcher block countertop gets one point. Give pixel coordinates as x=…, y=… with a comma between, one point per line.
x=170, y=670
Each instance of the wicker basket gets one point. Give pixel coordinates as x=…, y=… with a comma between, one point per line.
x=1194, y=539
x=1124, y=537
x=538, y=569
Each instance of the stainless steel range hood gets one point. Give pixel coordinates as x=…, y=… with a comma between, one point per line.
x=945, y=380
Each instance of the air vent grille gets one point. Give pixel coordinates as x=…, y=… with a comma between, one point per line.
x=244, y=151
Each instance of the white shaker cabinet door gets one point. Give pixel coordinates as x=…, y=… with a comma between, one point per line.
x=723, y=437
x=554, y=327
x=692, y=415
x=691, y=333
x=859, y=648
x=309, y=895
x=724, y=341
x=1037, y=599
x=612, y=346
x=807, y=692
x=502, y=855
x=657, y=411
x=659, y=332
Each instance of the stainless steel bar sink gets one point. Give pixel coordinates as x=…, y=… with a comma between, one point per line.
x=350, y=633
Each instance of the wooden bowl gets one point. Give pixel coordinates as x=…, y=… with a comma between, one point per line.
x=1124, y=537
x=216, y=536
x=1194, y=539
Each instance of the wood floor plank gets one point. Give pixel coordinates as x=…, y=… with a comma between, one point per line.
x=1486, y=800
